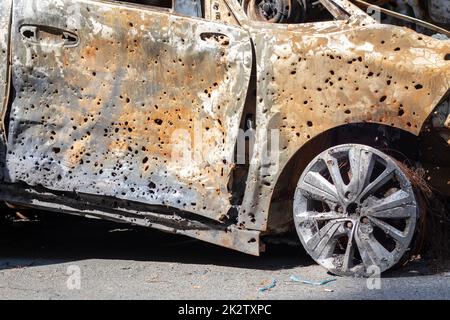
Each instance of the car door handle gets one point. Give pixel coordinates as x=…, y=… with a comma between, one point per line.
x=48, y=35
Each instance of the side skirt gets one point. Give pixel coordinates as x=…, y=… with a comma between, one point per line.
x=118, y=210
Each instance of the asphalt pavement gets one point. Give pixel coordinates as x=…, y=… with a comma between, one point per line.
x=64, y=257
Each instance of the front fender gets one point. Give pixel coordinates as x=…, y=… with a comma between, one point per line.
x=324, y=75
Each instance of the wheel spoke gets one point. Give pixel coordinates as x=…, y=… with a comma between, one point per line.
x=384, y=177
x=335, y=173
x=403, y=212
x=393, y=206
x=371, y=251
x=319, y=188
x=324, y=239
x=394, y=233
x=312, y=215
x=361, y=166
x=349, y=252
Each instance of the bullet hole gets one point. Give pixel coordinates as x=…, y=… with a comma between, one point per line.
x=332, y=72
x=94, y=73
x=152, y=185
x=370, y=74
x=28, y=34
x=293, y=72
x=383, y=42
x=401, y=112
x=397, y=49
x=59, y=177
x=56, y=150
x=347, y=111
x=305, y=102
x=418, y=86
x=130, y=24
x=383, y=98
x=309, y=123
x=158, y=121
x=447, y=57
x=127, y=100
x=388, y=82
x=145, y=160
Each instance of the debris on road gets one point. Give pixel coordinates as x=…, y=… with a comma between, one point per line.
x=314, y=283
x=270, y=286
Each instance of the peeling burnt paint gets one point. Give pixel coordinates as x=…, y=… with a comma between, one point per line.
x=101, y=89
x=99, y=117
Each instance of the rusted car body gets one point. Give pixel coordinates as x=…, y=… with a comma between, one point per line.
x=95, y=95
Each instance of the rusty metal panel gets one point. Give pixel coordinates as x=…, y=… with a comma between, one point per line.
x=5, y=17
x=314, y=77
x=102, y=90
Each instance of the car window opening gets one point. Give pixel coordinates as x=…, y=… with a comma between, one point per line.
x=192, y=8
x=286, y=11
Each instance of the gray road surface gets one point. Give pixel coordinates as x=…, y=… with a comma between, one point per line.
x=116, y=261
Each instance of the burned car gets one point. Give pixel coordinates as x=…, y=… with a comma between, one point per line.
x=224, y=121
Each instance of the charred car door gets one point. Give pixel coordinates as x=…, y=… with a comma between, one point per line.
x=131, y=102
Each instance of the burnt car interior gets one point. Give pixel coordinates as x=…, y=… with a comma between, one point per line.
x=273, y=11
x=286, y=11
x=193, y=8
